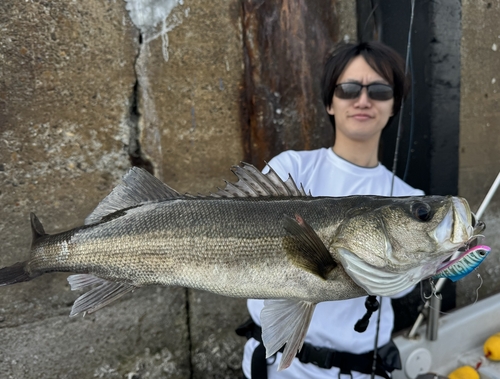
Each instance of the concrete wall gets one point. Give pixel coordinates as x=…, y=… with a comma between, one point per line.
x=86, y=89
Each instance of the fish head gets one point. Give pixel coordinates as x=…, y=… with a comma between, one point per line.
x=392, y=244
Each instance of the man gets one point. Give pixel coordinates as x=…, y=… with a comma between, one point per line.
x=363, y=87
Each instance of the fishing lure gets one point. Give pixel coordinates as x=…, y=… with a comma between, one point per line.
x=464, y=264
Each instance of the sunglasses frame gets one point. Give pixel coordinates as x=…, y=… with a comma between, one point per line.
x=361, y=86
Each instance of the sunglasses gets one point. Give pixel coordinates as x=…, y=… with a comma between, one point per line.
x=376, y=91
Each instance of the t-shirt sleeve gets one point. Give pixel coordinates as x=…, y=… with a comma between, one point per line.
x=283, y=164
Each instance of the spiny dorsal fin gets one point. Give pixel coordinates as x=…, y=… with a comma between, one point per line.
x=138, y=187
x=253, y=183
x=37, y=230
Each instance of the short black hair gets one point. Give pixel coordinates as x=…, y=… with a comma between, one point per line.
x=382, y=58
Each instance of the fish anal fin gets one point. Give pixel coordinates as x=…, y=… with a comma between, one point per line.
x=306, y=250
x=285, y=321
x=104, y=293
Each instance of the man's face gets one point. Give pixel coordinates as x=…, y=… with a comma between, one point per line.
x=361, y=119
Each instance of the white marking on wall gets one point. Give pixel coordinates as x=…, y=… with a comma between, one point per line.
x=155, y=18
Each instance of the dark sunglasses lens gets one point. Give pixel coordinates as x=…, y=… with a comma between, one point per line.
x=380, y=92
x=348, y=90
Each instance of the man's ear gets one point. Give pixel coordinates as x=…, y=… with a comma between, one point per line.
x=329, y=110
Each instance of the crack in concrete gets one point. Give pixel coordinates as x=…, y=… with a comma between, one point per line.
x=139, y=158
x=136, y=155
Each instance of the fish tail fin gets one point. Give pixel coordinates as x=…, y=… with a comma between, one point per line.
x=17, y=273
x=14, y=274
x=37, y=230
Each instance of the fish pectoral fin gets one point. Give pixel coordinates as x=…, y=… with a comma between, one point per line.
x=104, y=293
x=285, y=321
x=307, y=250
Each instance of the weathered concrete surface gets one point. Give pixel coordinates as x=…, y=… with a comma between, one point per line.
x=143, y=335
x=216, y=349
x=479, y=131
x=66, y=83
x=189, y=104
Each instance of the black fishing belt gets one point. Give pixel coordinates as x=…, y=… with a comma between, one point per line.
x=387, y=360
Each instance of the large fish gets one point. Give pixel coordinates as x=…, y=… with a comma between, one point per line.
x=258, y=238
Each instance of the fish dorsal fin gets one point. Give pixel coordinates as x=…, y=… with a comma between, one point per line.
x=253, y=183
x=138, y=187
x=37, y=230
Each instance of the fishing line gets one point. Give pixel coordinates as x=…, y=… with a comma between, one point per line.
x=412, y=116
x=400, y=121
x=480, y=285
x=372, y=14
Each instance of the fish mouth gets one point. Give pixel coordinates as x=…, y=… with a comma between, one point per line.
x=457, y=227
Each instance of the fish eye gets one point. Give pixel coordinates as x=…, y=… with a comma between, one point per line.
x=422, y=211
x=482, y=253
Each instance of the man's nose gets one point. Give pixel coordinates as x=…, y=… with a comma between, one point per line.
x=363, y=99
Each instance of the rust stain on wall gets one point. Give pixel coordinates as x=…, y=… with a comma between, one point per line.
x=285, y=44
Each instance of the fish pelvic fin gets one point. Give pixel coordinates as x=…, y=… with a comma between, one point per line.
x=285, y=321
x=306, y=250
x=14, y=274
x=103, y=293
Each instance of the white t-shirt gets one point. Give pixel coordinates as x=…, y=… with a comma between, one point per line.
x=323, y=173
